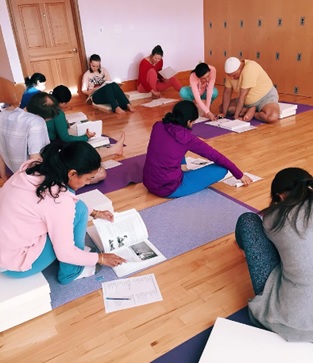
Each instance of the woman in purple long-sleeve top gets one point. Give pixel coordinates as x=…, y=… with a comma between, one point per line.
x=165, y=173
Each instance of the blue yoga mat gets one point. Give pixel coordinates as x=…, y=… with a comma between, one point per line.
x=174, y=227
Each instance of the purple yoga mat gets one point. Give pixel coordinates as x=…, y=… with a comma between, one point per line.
x=119, y=177
x=207, y=132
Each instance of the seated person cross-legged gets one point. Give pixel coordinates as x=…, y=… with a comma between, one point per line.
x=149, y=80
x=165, y=173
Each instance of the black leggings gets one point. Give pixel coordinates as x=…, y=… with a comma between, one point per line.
x=111, y=94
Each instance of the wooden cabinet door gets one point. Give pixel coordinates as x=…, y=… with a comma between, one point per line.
x=47, y=40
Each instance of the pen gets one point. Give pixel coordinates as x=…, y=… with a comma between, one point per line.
x=117, y=298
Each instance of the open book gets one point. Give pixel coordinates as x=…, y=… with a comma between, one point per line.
x=167, y=72
x=232, y=125
x=93, y=126
x=127, y=237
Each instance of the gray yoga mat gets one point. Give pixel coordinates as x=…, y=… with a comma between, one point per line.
x=174, y=227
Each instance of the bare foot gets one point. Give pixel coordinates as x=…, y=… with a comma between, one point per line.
x=130, y=108
x=155, y=94
x=249, y=114
x=119, y=111
x=117, y=148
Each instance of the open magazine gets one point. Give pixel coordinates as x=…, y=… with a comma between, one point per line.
x=127, y=237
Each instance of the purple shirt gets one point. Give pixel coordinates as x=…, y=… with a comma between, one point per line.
x=168, y=144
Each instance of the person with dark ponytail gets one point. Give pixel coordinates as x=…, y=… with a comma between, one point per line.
x=42, y=219
x=279, y=254
x=149, y=79
x=165, y=173
x=34, y=84
x=202, y=81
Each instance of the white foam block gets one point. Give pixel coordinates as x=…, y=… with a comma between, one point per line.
x=287, y=109
x=235, y=342
x=135, y=95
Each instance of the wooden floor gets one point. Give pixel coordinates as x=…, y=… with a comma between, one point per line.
x=198, y=286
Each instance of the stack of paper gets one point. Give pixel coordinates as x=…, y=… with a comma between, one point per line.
x=76, y=117
x=232, y=125
x=159, y=102
x=22, y=299
x=287, y=109
x=93, y=126
x=239, y=343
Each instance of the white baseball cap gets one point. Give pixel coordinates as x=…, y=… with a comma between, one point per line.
x=232, y=64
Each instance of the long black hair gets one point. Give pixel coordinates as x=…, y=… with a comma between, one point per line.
x=295, y=185
x=58, y=160
x=182, y=112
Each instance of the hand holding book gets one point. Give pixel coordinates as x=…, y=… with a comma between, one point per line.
x=110, y=259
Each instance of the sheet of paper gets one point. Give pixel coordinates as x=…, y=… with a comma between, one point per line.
x=168, y=72
x=233, y=182
x=197, y=163
x=159, y=102
x=130, y=292
x=109, y=164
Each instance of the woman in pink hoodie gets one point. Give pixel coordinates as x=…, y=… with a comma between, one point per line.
x=42, y=219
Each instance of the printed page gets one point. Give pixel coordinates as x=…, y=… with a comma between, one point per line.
x=128, y=293
x=109, y=164
x=127, y=228
x=197, y=163
x=233, y=182
x=168, y=72
x=159, y=102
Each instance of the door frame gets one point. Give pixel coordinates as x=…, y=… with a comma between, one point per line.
x=78, y=31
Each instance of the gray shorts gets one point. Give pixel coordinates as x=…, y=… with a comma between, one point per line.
x=270, y=97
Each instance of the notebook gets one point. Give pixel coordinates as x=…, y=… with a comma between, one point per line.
x=93, y=126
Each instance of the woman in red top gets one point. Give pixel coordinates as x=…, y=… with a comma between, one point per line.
x=149, y=80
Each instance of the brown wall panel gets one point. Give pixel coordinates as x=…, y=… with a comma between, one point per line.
x=277, y=34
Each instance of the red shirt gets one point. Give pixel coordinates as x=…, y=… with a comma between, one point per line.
x=144, y=66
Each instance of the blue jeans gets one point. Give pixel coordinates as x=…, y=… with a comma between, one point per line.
x=261, y=254
x=195, y=180
x=67, y=272
x=186, y=94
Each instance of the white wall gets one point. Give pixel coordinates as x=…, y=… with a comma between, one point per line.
x=10, y=63
x=122, y=32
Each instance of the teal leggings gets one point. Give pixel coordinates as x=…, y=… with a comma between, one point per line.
x=195, y=180
x=186, y=94
x=67, y=272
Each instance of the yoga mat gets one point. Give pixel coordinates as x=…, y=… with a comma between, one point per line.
x=174, y=227
x=119, y=177
x=207, y=132
x=191, y=350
